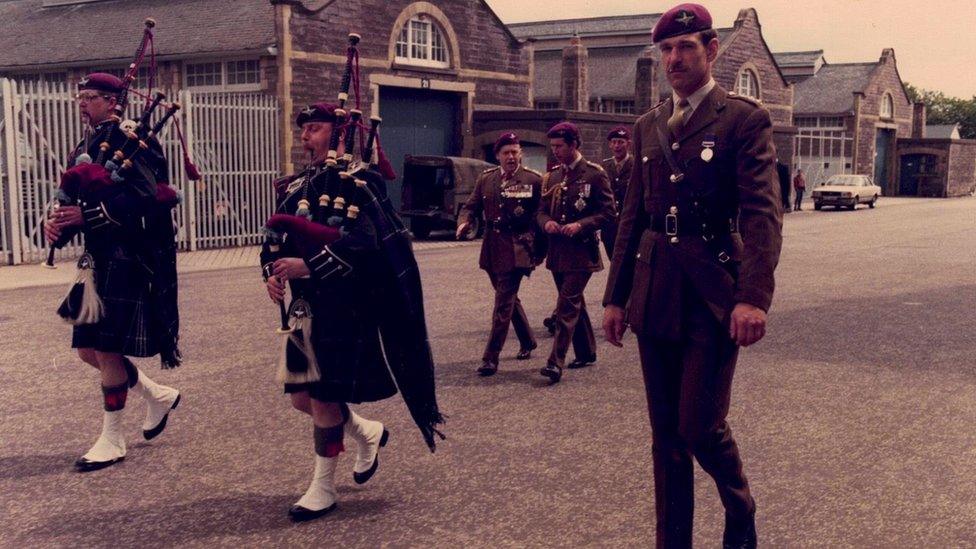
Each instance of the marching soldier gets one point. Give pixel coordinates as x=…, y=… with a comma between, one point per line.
x=128, y=236
x=508, y=197
x=618, y=169
x=576, y=203
x=344, y=343
x=698, y=241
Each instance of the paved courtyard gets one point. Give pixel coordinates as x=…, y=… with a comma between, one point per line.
x=855, y=415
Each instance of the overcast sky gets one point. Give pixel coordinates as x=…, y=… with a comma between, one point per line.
x=934, y=40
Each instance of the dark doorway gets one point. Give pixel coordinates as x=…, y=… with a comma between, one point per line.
x=918, y=171
x=882, y=156
x=418, y=122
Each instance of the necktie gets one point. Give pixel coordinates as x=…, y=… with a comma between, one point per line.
x=677, y=120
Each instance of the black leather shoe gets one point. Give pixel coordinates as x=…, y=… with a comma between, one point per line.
x=297, y=513
x=487, y=368
x=581, y=362
x=553, y=372
x=525, y=353
x=361, y=478
x=739, y=533
x=85, y=466
x=550, y=324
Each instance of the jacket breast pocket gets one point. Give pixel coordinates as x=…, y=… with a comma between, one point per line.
x=641, y=284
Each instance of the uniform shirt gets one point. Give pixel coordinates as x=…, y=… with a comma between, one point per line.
x=619, y=174
x=578, y=193
x=726, y=153
x=509, y=203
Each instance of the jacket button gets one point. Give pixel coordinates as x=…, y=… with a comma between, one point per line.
x=675, y=146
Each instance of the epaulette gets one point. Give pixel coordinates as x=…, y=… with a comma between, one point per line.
x=489, y=170
x=595, y=165
x=607, y=159
x=751, y=100
x=281, y=183
x=530, y=170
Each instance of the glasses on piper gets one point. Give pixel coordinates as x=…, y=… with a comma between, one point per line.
x=88, y=97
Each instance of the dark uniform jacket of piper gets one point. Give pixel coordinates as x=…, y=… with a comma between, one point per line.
x=345, y=325
x=135, y=259
x=509, y=208
x=728, y=219
x=619, y=178
x=580, y=194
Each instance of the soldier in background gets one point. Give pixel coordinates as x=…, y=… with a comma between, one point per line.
x=576, y=203
x=618, y=168
x=508, y=198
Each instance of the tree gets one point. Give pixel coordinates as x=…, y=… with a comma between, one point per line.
x=946, y=110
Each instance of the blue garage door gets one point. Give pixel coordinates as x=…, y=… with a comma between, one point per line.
x=418, y=122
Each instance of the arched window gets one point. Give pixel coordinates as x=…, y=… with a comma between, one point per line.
x=887, y=106
x=747, y=84
x=421, y=42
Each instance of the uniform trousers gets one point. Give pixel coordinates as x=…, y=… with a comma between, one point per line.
x=572, y=320
x=688, y=385
x=608, y=235
x=508, y=308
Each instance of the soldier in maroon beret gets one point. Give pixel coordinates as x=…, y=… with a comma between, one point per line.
x=576, y=203
x=345, y=364
x=618, y=168
x=692, y=272
x=507, y=197
x=126, y=238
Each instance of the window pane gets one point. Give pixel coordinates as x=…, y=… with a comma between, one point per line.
x=243, y=72
x=402, y=41
x=203, y=74
x=439, y=51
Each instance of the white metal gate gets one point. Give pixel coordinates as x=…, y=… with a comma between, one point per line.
x=232, y=136
x=822, y=153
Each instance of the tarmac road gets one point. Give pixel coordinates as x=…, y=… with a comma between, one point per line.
x=855, y=415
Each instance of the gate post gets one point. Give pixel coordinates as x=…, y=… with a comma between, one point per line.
x=190, y=190
x=12, y=161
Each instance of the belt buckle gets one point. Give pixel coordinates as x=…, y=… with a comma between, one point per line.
x=723, y=257
x=671, y=224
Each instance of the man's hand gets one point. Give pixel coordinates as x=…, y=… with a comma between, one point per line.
x=68, y=216
x=52, y=231
x=748, y=324
x=551, y=227
x=288, y=268
x=276, y=289
x=462, y=230
x=571, y=229
x=614, y=324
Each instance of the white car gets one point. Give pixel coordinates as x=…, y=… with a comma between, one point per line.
x=846, y=190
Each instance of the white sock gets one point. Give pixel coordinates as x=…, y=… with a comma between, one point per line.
x=321, y=492
x=367, y=434
x=110, y=444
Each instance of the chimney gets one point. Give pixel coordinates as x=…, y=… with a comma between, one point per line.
x=575, y=89
x=645, y=91
x=918, y=120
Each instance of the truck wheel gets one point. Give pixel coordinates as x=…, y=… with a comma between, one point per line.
x=873, y=200
x=420, y=228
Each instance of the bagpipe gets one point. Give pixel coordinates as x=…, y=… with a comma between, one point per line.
x=125, y=191
x=333, y=200
x=128, y=150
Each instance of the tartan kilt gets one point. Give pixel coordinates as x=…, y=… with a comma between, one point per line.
x=346, y=339
x=127, y=326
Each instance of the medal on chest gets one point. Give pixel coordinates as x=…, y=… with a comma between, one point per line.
x=519, y=210
x=708, y=144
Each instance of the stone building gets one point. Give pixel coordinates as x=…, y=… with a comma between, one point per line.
x=848, y=116
x=934, y=161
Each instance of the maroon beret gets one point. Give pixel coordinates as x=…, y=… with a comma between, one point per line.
x=681, y=19
x=566, y=130
x=507, y=138
x=319, y=112
x=102, y=82
x=620, y=132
